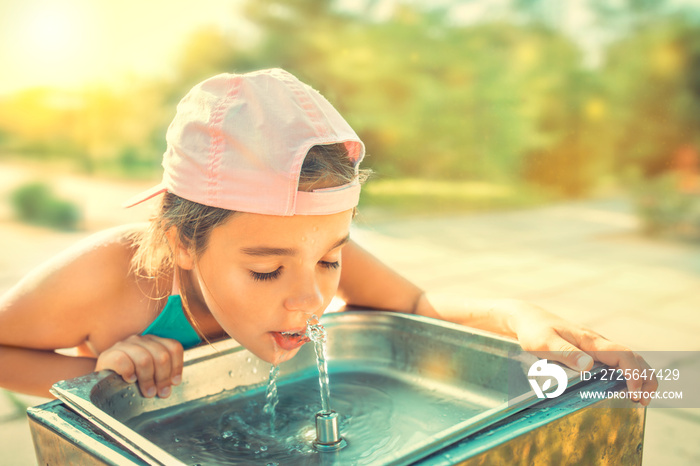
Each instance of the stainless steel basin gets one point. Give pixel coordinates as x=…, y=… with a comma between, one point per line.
x=404, y=387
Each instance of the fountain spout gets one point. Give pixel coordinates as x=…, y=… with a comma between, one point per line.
x=327, y=433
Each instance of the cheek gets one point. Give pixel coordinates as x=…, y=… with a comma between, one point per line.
x=327, y=286
x=233, y=299
x=331, y=286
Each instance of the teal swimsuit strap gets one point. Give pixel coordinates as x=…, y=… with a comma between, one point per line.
x=172, y=323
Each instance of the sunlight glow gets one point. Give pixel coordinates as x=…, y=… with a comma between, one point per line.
x=46, y=43
x=75, y=43
x=53, y=33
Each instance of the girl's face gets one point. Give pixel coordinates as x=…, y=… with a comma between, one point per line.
x=262, y=275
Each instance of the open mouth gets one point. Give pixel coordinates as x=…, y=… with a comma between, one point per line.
x=290, y=340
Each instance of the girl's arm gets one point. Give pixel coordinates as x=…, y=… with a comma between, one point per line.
x=367, y=282
x=85, y=295
x=33, y=371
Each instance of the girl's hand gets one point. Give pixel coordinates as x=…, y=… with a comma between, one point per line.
x=550, y=337
x=156, y=363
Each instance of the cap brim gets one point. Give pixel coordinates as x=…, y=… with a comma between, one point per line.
x=144, y=196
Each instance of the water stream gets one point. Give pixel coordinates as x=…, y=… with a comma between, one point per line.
x=271, y=396
x=317, y=334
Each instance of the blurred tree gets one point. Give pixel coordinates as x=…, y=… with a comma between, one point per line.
x=35, y=122
x=650, y=79
x=91, y=127
x=429, y=97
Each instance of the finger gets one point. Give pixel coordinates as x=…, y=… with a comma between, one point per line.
x=144, y=365
x=588, y=341
x=134, y=363
x=119, y=362
x=635, y=382
x=604, y=350
x=562, y=350
x=160, y=363
x=626, y=361
x=649, y=385
x=619, y=356
x=176, y=353
x=607, y=352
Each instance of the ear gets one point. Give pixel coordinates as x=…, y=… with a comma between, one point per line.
x=182, y=256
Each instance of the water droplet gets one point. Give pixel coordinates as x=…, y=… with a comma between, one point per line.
x=131, y=403
x=263, y=448
x=177, y=440
x=248, y=359
x=255, y=370
x=247, y=445
x=230, y=373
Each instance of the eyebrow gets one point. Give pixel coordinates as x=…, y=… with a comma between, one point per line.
x=267, y=251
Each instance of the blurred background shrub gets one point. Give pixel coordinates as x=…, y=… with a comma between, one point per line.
x=36, y=203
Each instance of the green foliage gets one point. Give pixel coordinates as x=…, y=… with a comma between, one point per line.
x=492, y=101
x=429, y=98
x=648, y=79
x=36, y=203
x=137, y=162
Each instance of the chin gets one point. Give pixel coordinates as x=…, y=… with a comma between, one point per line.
x=281, y=356
x=273, y=354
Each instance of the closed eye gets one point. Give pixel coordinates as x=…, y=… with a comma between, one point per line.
x=329, y=265
x=260, y=276
x=264, y=276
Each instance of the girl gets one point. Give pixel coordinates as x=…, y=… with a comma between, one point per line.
x=261, y=179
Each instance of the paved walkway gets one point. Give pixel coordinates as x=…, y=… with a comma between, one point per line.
x=584, y=261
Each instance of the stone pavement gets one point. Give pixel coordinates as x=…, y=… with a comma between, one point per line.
x=584, y=261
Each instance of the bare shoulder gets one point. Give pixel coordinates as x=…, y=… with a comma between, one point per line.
x=102, y=257
x=74, y=295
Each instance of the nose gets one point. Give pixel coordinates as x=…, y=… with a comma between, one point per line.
x=305, y=297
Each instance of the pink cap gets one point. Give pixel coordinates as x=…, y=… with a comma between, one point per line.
x=238, y=142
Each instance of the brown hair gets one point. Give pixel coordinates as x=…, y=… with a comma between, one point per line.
x=325, y=166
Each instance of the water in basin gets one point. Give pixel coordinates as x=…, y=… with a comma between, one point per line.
x=379, y=414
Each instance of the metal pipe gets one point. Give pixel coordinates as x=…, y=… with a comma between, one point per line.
x=327, y=433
